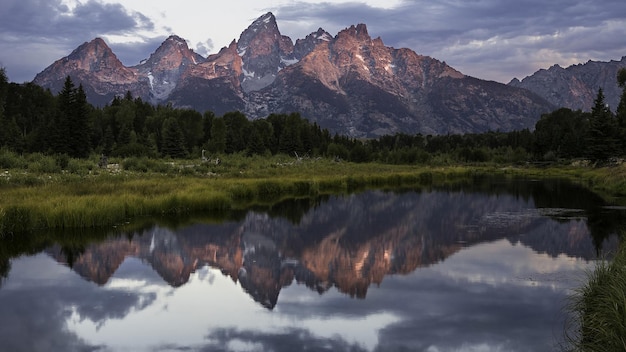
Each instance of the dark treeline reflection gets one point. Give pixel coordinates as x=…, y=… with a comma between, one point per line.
x=348, y=242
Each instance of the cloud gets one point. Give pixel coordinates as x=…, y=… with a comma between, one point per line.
x=131, y=53
x=33, y=321
x=40, y=19
x=205, y=48
x=491, y=39
x=35, y=33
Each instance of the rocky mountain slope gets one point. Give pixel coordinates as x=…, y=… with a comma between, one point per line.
x=351, y=83
x=576, y=87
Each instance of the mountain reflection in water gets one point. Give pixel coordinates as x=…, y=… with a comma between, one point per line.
x=496, y=268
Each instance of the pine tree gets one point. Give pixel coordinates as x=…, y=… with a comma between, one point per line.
x=69, y=132
x=173, y=139
x=60, y=126
x=620, y=113
x=79, y=125
x=602, y=140
x=217, y=143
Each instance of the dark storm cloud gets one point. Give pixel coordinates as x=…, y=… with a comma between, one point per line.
x=38, y=32
x=482, y=36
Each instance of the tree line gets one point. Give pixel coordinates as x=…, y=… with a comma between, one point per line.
x=33, y=120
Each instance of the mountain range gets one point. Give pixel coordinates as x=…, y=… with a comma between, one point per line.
x=576, y=87
x=349, y=83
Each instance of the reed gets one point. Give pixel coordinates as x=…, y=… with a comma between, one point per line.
x=599, y=308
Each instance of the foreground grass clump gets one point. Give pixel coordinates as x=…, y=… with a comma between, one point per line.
x=600, y=308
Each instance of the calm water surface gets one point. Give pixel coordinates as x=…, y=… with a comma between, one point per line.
x=485, y=267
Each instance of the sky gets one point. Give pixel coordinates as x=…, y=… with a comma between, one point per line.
x=489, y=39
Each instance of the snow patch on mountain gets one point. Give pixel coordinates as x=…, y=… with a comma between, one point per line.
x=288, y=62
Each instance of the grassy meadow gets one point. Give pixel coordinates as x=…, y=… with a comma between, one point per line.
x=41, y=192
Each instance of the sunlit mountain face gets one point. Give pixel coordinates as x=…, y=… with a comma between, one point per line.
x=348, y=83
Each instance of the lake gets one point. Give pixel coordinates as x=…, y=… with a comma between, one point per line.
x=484, y=266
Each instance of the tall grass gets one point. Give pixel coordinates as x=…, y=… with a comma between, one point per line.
x=97, y=198
x=599, y=308
x=39, y=191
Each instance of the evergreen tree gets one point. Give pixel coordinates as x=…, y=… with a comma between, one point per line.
x=207, y=123
x=124, y=122
x=217, y=143
x=601, y=138
x=69, y=131
x=79, y=125
x=237, y=130
x=290, y=140
x=255, y=143
x=191, y=124
x=620, y=113
x=108, y=141
x=173, y=144
x=4, y=85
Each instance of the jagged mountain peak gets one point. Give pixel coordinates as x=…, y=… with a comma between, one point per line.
x=264, y=51
x=172, y=51
x=576, y=86
x=166, y=65
x=359, y=32
x=268, y=19
x=306, y=45
x=264, y=25
x=349, y=83
x=176, y=39
x=94, y=65
x=94, y=50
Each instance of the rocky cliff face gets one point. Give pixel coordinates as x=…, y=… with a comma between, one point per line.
x=102, y=74
x=166, y=65
x=351, y=84
x=576, y=87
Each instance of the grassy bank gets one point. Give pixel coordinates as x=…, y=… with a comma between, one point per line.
x=39, y=192
x=34, y=197
x=599, y=308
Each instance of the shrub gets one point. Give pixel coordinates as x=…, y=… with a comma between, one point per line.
x=44, y=164
x=10, y=160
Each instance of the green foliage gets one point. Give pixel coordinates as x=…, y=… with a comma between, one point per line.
x=237, y=131
x=69, y=128
x=601, y=139
x=620, y=113
x=173, y=139
x=599, y=308
x=217, y=142
x=11, y=160
x=562, y=132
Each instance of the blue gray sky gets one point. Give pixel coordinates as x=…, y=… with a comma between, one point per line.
x=489, y=39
